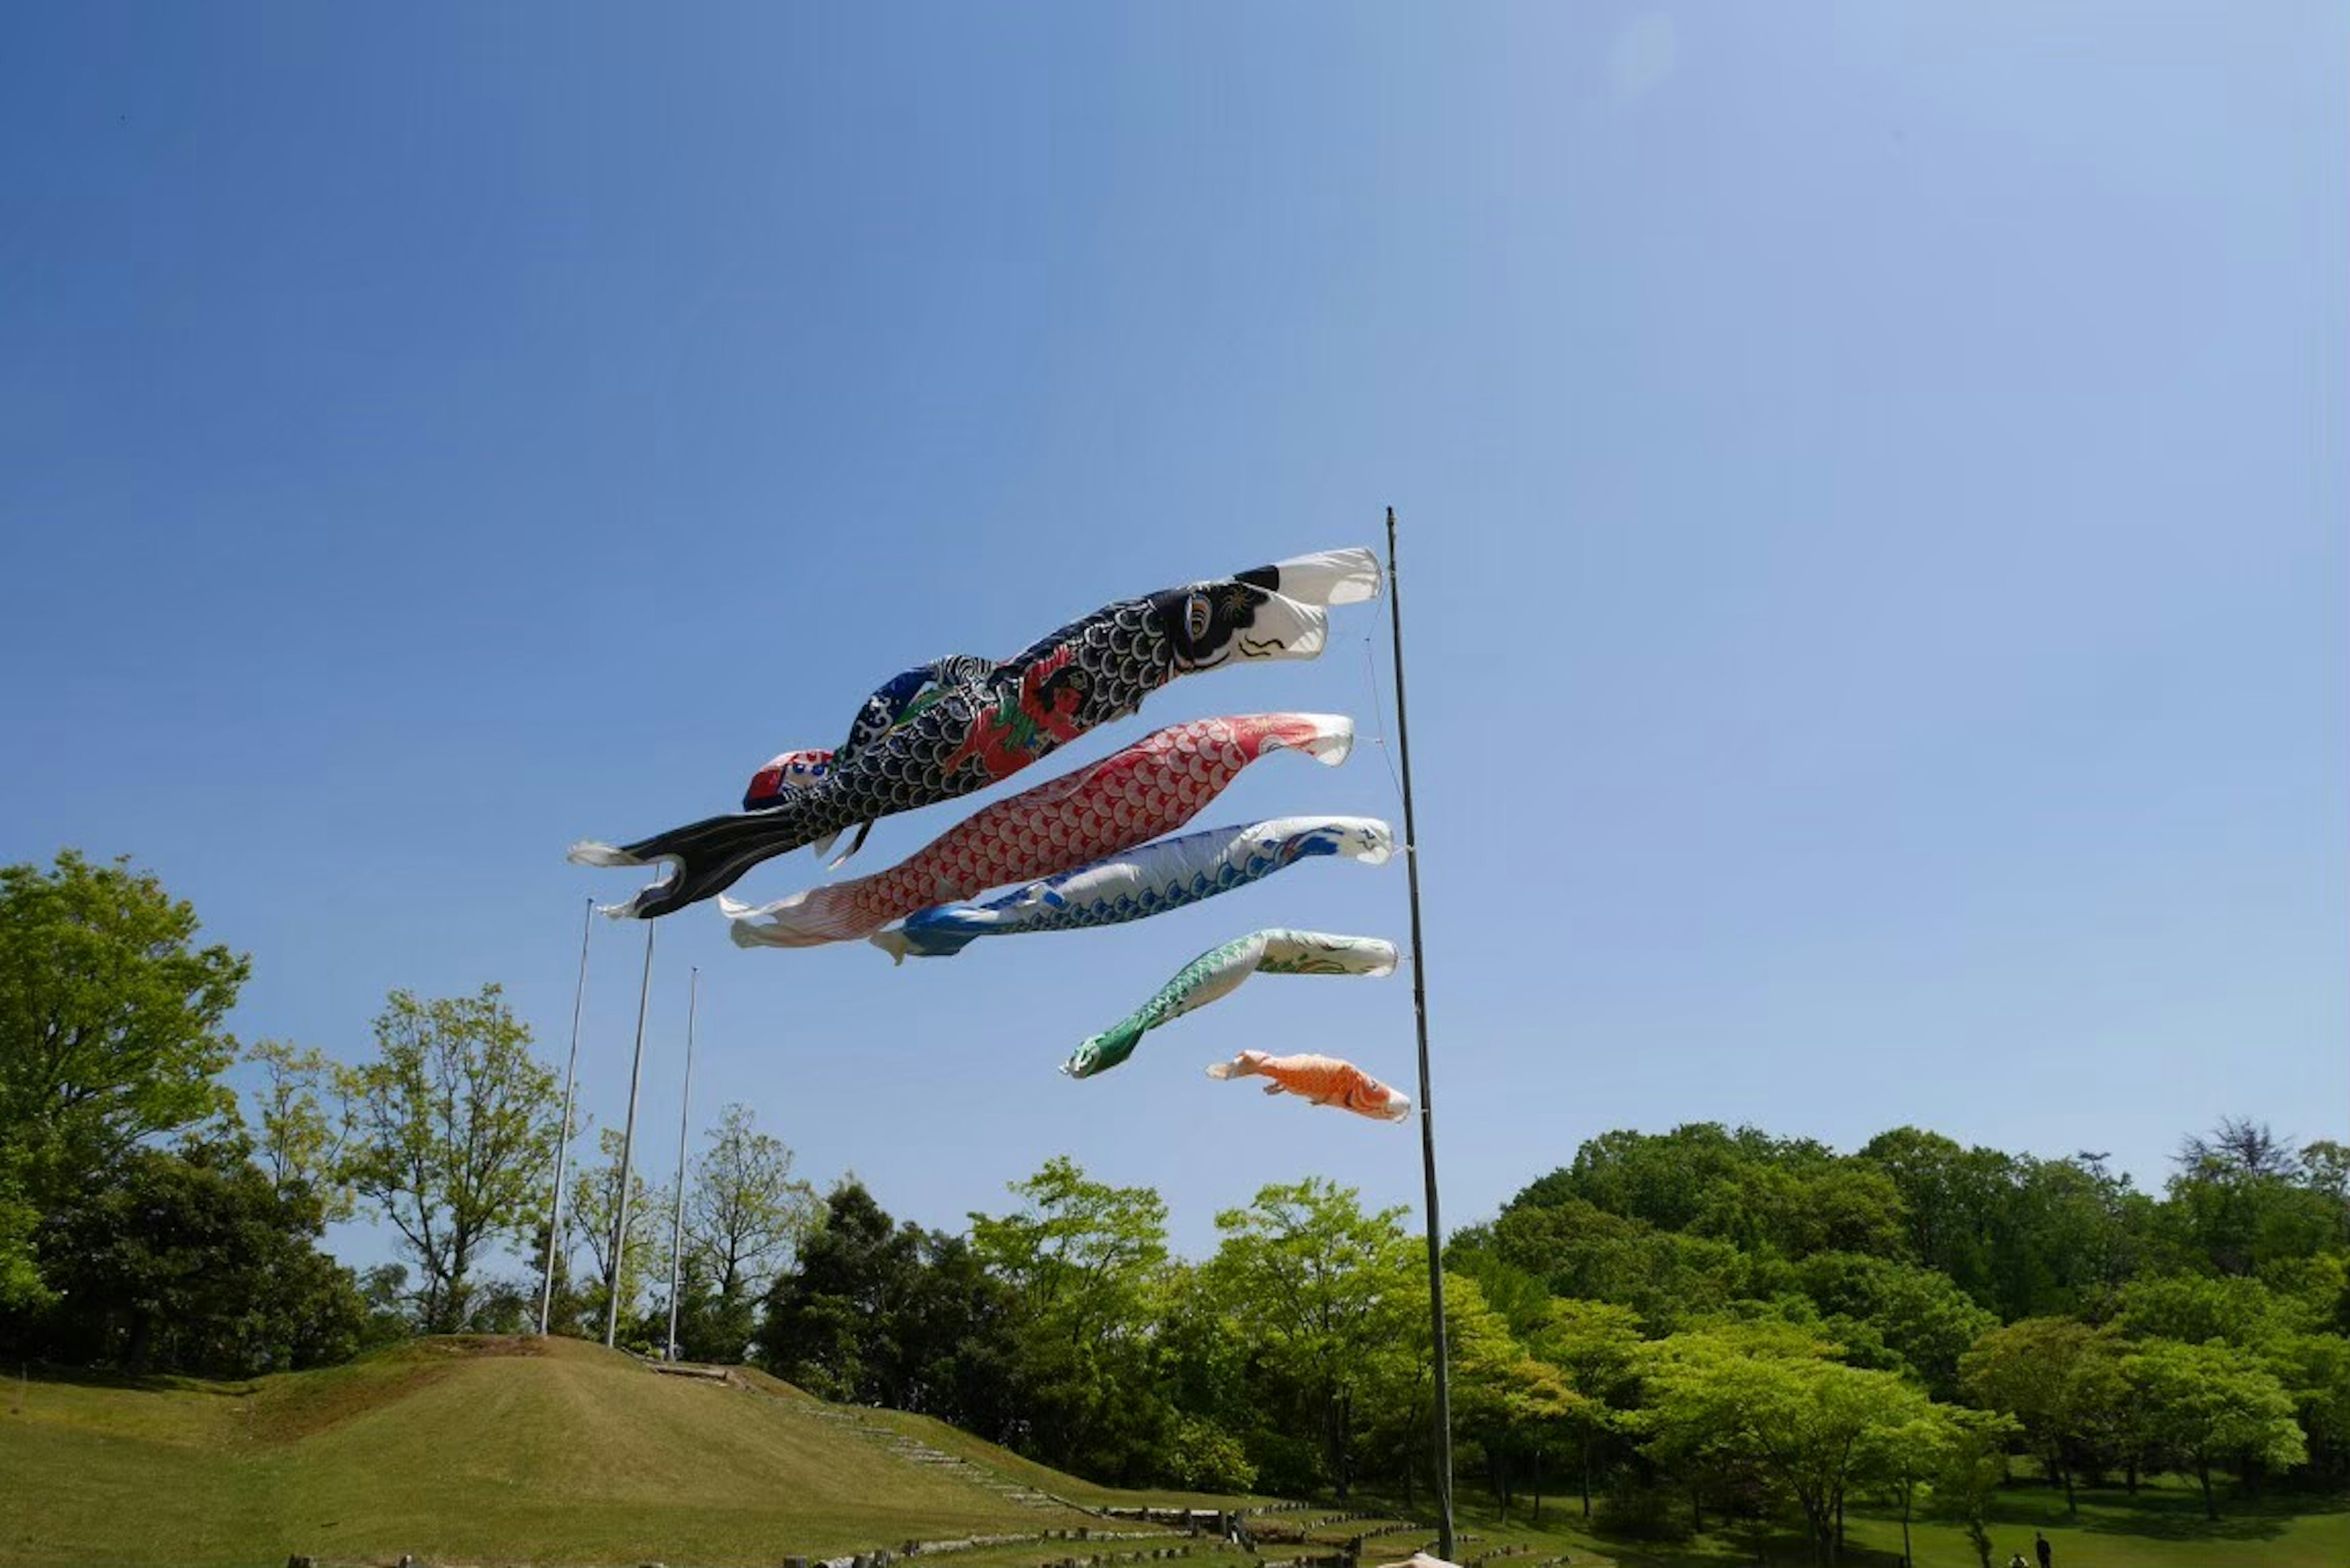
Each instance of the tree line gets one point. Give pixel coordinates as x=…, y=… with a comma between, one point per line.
x=151, y=1220
x=1710, y=1328
x=1705, y=1329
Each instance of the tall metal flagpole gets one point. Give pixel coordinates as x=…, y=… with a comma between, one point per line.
x=627, y=1153
x=563, y=1148
x=1427, y=1100
x=677, y=1212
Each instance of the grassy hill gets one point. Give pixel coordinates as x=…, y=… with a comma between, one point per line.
x=514, y=1451
x=521, y=1451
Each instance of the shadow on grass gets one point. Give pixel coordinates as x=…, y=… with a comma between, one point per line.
x=2171, y=1510
x=135, y=1383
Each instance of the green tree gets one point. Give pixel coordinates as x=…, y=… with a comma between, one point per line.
x=591, y=1216
x=1204, y=1457
x=1666, y=1180
x=1791, y=1196
x=391, y=1305
x=1772, y=1397
x=959, y=1344
x=2060, y=1379
x=21, y=1288
x=111, y=1032
x=2325, y=1174
x=1395, y=1420
x=300, y=1144
x=2074, y=1231
x=1506, y=1401
x=2195, y=1308
x=195, y=1261
x=450, y=1130
x=1305, y=1274
x=1596, y=1348
x=2315, y=1371
x=1583, y=1251
x=744, y=1212
x=1955, y=1202
x=1087, y=1252
x=2241, y=1201
x=1088, y=1262
x=1974, y=1465
x=831, y=1324
x=1202, y=1367
x=2208, y=1404
x=1899, y=1460
x=1923, y=1318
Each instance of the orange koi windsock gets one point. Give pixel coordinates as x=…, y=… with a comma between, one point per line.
x=1325, y=1080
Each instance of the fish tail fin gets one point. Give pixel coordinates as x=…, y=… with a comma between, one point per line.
x=856, y=844
x=709, y=857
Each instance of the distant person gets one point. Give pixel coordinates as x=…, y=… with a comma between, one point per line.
x=2040, y=1547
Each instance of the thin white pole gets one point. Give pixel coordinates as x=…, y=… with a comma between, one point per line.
x=1427, y=1099
x=563, y=1147
x=677, y=1211
x=628, y=1155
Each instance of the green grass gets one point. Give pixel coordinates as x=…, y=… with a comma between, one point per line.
x=2162, y=1527
x=1004, y=1462
x=523, y=1451
x=485, y=1450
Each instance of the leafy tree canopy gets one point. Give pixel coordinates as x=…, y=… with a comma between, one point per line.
x=109, y=1017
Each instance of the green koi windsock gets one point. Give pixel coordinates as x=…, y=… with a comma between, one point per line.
x=1219, y=972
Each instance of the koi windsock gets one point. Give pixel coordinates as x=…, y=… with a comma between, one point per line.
x=1159, y=783
x=1142, y=882
x=1324, y=1080
x=946, y=729
x=1219, y=972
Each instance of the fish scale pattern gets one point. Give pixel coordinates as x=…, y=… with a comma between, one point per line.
x=1220, y=972
x=958, y=724
x=1151, y=787
x=1167, y=874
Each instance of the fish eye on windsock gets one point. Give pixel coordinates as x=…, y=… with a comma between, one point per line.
x=943, y=729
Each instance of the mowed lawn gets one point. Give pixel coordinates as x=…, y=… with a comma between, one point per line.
x=1028, y=1472
x=2162, y=1527
x=487, y=1451
x=527, y=1451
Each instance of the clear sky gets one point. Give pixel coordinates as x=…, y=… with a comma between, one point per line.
x=1873, y=483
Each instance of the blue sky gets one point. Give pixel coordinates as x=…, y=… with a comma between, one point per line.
x=1873, y=485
